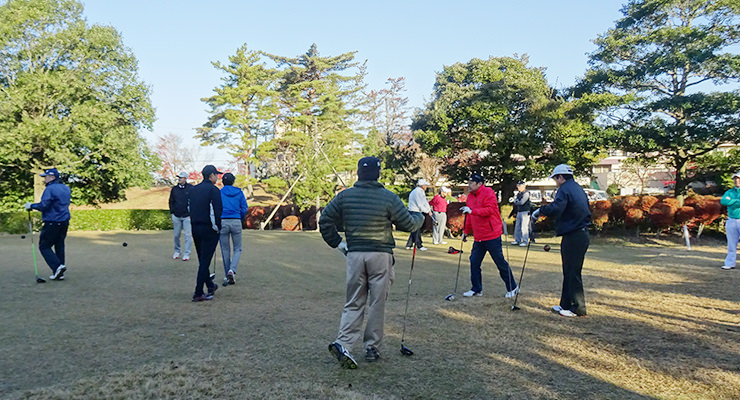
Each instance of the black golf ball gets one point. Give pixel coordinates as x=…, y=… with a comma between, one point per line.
x=546, y=248
x=125, y=244
x=23, y=236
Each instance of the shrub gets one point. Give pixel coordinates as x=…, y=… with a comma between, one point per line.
x=633, y=217
x=646, y=202
x=685, y=215
x=600, y=212
x=94, y=220
x=661, y=215
x=275, y=184
x=455, y=217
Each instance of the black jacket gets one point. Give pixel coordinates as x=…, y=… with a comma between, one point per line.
x=570, y=207
x=179, y=200
x=205, y=204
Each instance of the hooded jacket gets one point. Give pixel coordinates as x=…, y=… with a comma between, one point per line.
x=484, y=220
x=234, y=203
x=54, y=204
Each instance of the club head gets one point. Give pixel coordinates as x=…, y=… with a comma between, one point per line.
x=515, y=308
x=213, y=276
x=40, y=280
x=450, y=297
x=406, y=351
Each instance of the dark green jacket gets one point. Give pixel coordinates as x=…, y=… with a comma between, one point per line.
x=366, y=213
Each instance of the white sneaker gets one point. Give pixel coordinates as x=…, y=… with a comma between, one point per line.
x=435, y=242
x=471, y=293
x=568, y=313
x=176, y=256
x=728, y=266
x=512, y=293
x=515, y=243
x=186, y=258
x=522, y=244
x=409, y=247
x=422, y=248
x=443, y=242
x=59, y=273
x=557, y=309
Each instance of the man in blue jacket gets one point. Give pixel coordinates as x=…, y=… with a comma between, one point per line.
x=570, y=207
x=54, y=207
x=205, y=217
x=235, y=209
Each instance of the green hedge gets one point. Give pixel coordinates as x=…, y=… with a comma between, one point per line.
x=94, y=220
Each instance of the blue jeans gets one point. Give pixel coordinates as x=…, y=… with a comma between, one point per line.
x=53, y=234
x=231, y=229
x=732, y=229
x=182, y=225
x=493, y=247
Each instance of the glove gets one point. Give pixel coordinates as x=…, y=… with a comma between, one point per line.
x=342, y=248
x=466, y=210
x=27, y=206
x=536, y=214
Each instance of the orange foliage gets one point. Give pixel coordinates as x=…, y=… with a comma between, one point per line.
x=661, y=215
x=685, y=215
x=646, y=202
x=632, y=217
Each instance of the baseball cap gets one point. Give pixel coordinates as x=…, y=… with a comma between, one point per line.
x=368, y=169
x=445, y=189
x=737, y=174
x=182, y=174
x=51, y=171
x=422, y=182
x=476, y=177
x=521, y=183
x=210, y=169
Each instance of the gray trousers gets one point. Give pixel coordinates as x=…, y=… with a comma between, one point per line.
x=521, y=229
x=369, y=279
x=182, y=225
x=438, y=231
x=231, y=229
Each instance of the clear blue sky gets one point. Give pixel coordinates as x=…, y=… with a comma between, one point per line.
x=175, y=42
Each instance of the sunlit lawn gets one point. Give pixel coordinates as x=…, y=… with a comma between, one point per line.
x=664, y=322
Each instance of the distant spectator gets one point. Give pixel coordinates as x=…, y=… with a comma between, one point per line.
x=439, y=210
x=731, y=199
x=522, y=206
x=235, y=209
x=181, y=215
x=418, y=203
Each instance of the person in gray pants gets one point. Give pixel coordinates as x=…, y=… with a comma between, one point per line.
x=234, y=210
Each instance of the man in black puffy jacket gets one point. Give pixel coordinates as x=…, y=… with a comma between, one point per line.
x=366, y=213
x=205, y=215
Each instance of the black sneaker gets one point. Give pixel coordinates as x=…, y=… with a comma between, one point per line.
x=345, y=359
x=203, y=297
x=372, y=354
x=212, y=290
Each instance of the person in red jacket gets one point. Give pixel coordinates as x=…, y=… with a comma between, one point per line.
x=483, y=220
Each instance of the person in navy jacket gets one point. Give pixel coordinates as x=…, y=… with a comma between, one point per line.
x=54, y=207
x=234, y=211
x=205, y=215
x=570, y=207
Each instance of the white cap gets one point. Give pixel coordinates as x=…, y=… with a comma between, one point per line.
x=182, y=174
x=422, y=182
x=562, y=169
x=737, y=174
x=445, y=189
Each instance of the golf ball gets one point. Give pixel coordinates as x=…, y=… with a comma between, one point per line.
x=547, y=247
x=125, y=244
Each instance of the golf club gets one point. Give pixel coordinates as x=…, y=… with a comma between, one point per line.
x=451, y=296
x=524, y=264
x=215, y=254
x=33, y=251
x=405, y=350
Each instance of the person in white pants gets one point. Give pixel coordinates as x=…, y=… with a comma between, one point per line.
x=731, y=199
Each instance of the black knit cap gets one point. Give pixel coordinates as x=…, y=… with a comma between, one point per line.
x=476, y=177
x=228, y=178
x=368, y=169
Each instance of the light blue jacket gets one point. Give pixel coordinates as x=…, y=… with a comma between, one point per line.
x=731, y=199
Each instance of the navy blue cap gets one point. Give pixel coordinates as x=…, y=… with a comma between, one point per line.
x=476, y=177
x=51, y=171
x=368, y=169
x=210, y=169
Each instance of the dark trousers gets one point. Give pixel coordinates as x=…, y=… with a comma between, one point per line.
x=414, y=237
x=53, y=235
x=206, y=241
x=493, y=247
x=573, y=248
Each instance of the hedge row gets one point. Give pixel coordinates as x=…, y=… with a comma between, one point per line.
x=94, y=220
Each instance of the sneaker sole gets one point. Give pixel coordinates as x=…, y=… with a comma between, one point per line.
x=344, y=361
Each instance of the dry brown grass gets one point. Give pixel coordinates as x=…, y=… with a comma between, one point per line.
x=663, y=322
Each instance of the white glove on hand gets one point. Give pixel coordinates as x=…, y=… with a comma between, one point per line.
x=466, y=210
x=342, y=248
x=27, y=206
x=536, y=214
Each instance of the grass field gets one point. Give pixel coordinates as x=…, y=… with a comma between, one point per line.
x=664, y=322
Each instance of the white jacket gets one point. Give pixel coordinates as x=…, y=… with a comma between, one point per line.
x=418, y=201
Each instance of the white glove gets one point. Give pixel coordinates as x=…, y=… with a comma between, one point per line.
x=27, y=206
x=536, y=214
x=342, y=248
x=466, y=210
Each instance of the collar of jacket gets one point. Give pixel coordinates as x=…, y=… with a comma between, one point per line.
x=368, y=184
